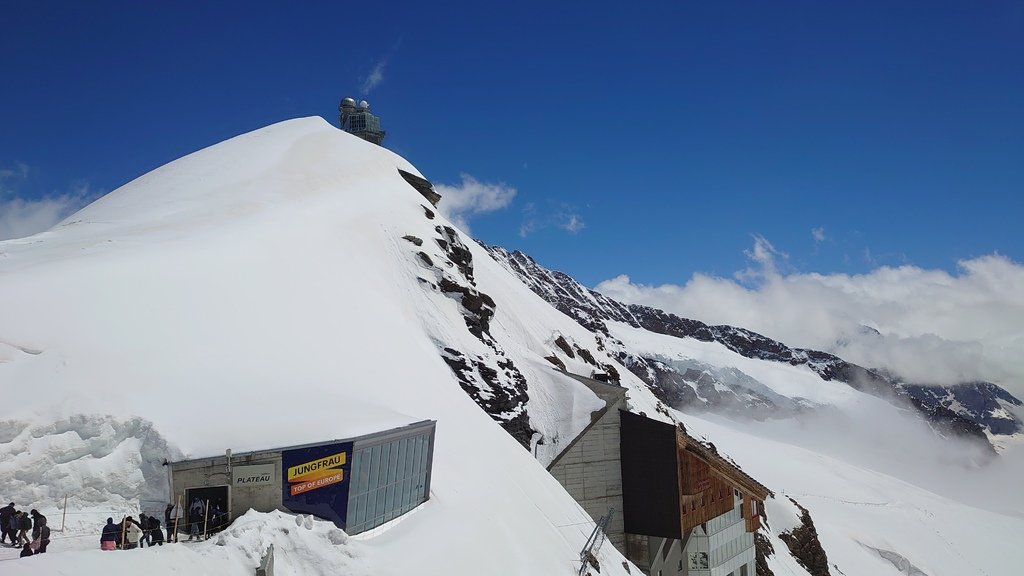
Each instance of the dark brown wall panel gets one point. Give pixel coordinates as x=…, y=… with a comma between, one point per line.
x=650, y=484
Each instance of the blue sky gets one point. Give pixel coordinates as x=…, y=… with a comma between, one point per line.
x=655, y=141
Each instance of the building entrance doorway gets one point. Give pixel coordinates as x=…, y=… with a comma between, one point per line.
x=206, y=510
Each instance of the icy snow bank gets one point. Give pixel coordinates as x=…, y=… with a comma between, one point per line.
x=93, y=460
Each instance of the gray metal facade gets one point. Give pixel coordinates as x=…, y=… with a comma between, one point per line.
x=388, y=480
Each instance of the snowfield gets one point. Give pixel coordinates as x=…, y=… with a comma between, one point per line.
x=262, y=293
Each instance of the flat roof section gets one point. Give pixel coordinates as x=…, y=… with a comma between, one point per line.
x=362, y=441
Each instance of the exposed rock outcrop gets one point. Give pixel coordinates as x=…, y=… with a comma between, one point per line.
x=490, y=378
x=804, y=545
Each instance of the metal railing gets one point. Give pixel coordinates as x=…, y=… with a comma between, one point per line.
x=594, y=542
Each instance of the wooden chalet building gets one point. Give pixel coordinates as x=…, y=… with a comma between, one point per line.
x=686, y=510
x=678, y=507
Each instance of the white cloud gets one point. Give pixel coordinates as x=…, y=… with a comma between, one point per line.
x=460, y=202
x=573, y=223
x=936, y=326
x=555, y=215
x=20, y=217
x=818, y=234
x=16, y=174
x=375, y=77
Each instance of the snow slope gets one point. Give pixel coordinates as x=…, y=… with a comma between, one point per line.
x=858, y=511
x=258, y=294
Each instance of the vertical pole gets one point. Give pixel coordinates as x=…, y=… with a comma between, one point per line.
x=177, y=514
x=124, y=531
x=206, y=516
x=64, y=519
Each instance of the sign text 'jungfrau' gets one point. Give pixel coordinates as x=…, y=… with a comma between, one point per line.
x=317, y=473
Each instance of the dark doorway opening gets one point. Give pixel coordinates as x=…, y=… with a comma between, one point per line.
x=206, y=510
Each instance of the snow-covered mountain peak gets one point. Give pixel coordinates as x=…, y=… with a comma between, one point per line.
x=289, y=286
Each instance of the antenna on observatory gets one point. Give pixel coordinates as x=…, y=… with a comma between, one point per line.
x=356, y=119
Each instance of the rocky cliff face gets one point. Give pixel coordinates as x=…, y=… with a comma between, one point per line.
x=980, y=402
x=491, y=378
x=967, y=410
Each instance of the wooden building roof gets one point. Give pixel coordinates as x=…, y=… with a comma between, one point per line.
x=720, y=465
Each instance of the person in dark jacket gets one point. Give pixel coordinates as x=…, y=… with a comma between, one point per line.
x=12, y=528
x=5, y=523
x=168, y=522
x=143, y=525
x=44, y=539
x=155, y=532
x=24, y=525
x=110, y=535
x=38, y=521
x=26, y=551
x=109, y=538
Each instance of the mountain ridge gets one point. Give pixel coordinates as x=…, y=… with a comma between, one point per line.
x=977, y=413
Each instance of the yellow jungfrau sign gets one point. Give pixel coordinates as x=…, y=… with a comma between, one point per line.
x=316, y=469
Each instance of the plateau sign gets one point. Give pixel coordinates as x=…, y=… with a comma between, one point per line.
x=256, y=475
x=317, y=473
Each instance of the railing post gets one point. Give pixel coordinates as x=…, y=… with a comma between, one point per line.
x=266, y=567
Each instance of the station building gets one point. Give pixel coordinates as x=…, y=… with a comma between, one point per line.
x=678, y=508
x=357, y=483
x=356, y=118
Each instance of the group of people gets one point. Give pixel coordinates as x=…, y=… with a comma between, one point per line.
x=16, y=524
x=202, y=519
x=130, y=533
x=29, y=530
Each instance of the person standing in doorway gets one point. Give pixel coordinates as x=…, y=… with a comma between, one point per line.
x=170, y=522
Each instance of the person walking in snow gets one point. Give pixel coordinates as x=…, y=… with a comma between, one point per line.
x=24, y=525
x=12, y=528
x=5, y=523
x=143, y=524
x=38, y=521
x=110, y=536
x=155, y=532
x=132, y=533
x=44, y=539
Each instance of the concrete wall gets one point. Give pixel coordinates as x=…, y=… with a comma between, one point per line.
x=591, y=472
x=214, y=472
